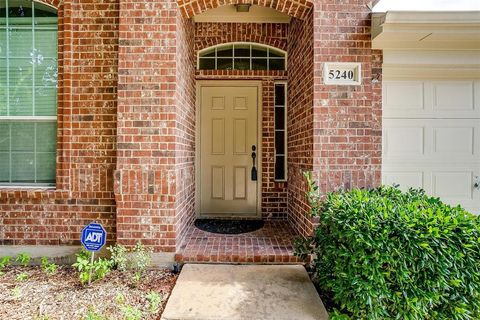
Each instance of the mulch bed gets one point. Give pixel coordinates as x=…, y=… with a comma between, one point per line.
x=61, y=296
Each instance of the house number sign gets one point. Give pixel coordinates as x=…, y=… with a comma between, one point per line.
x=342, y=73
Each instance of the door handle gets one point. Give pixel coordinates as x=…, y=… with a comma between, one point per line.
x=476, y=182
x=253, y=174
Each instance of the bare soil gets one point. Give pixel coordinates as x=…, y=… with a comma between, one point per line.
x=61, y=296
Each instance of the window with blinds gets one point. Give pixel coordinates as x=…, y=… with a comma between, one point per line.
x=28, y=93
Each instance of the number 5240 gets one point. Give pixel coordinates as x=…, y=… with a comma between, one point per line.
x=341, y=75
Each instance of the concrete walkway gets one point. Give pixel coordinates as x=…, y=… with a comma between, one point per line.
x=253, y=292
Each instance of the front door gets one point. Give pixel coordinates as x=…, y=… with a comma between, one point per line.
x=228, y=125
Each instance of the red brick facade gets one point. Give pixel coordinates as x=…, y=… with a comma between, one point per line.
x=126, y=117
x=210, y=34
x=295, y=8
x=300, y=120
x=87, y=102
x=347, y=119
x=185, y=126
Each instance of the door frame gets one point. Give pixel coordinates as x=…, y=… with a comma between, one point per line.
x=227, y=83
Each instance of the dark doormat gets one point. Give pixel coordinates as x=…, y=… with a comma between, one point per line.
x=228, y=226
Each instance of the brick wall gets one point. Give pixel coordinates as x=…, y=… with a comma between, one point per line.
x=339, y=137
x=347, y=146
x=295, y=8
x=185, y=126
x=146, y=141
x=300, y=120
x=210, y=34
x=145, y=180
x=87, y=45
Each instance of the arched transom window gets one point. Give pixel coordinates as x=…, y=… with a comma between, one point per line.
x=28, y=92
x=242, y=56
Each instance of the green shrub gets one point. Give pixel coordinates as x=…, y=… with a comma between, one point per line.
x=23, y=259
x=21, y=276
x=118, y=256
x=131, y=313
x=136, y=259
x=98, y=269
x=140, y=259
x=4, y=262
x=388, y=254
x=154, y=301
x=94, y=315
x=47, y=267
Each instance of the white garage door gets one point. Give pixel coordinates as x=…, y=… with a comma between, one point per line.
x=431, y=138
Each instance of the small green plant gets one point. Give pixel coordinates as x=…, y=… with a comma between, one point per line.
x=119, y=257
x=131, y=313
x=94, y=315
x=154, y=301
x=387, y=254
x=5, y=262
x=140, y=260
x=120, y=298
x=60, y=297
x=17, y=292
x=21, y=276
x=91, y=271
x=47, y=267
x=23, y=259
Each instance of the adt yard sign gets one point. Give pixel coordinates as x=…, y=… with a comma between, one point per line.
x=93, y=237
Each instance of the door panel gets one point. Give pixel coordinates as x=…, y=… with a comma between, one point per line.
x=228, y=126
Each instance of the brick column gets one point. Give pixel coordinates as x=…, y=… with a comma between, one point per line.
x=154, y=180
x=335, y=131
x=300, y=119
x=145, y=179
x=347, y=119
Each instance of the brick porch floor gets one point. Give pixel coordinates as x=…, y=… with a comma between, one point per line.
x=273, y=244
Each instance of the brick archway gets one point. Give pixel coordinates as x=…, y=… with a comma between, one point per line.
x=294, y=8
x=233, y=37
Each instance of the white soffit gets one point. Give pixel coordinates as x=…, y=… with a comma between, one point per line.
x=447, y=30
x=228, y=13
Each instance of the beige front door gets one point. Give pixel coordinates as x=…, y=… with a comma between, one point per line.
x=228, y=125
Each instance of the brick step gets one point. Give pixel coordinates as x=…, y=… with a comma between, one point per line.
x=272, y=244
x=239, y=258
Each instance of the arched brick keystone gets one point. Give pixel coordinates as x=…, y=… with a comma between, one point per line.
x=294, y=8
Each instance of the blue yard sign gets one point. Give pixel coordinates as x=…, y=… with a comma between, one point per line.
x=93, y=237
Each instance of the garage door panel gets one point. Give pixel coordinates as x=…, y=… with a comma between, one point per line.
x=458, y=141
x=404, y=140
x=431, y=99
x=456, y=188
x=405, y=180
x=452, y=185
x=452, y=96
x=400, y=96
x=431, y=140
